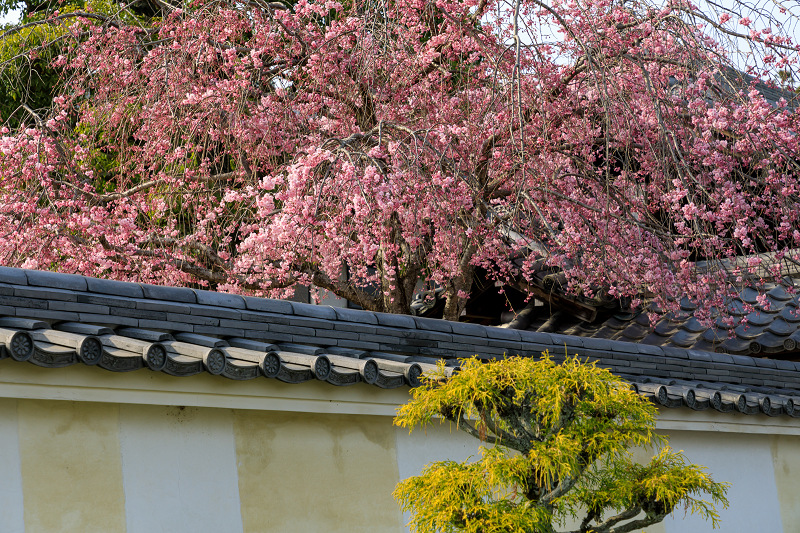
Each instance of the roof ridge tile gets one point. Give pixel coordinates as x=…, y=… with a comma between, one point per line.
x=169, y=293
x=743, y=360
x=12, y=275
x=114, y=287
x=254, y=303
x=221, y=299
x=765, y=363
x=682, y=353
x=435, y=324
x=536, y=337
x=313, y=311
x=468, y=329
x=648, y=349
x=355, y=315
x=570, y=341
x=394, y=320
x=504, y=334
x=56, y=280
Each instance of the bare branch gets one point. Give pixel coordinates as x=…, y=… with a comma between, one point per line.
x=64, y=16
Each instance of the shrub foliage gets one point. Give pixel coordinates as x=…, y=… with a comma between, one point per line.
x=560, y=438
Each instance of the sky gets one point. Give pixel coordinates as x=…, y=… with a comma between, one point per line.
x=10, y=18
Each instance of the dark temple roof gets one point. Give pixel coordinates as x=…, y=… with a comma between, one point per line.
x=771, y=330
x=762, y=322
x=56, y=320
x=731, y=82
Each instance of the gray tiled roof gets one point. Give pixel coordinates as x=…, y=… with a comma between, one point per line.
x=753, y=329
x=56, y=320
x=732, y=81
x=772, y=329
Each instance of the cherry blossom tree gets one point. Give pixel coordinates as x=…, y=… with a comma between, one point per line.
x=367, y=147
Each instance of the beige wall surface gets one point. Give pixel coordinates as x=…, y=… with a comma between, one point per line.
x=12, y=510
x=302, y=472
x=107, y=467
x=71, y=467
x=747, y=463
x=786, y=461
x=96, y=467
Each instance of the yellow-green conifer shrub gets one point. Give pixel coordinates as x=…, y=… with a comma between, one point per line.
x=559, y=439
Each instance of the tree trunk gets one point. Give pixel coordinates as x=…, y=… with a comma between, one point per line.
x=454, y=305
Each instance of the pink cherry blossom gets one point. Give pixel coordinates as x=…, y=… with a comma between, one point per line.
x=253, y=147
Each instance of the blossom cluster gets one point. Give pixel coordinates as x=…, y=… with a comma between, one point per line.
x=364, y=148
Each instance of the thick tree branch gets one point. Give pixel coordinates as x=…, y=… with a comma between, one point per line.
x=65, y=16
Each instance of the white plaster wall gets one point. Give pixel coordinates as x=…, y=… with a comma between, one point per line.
x=438, y=442
x=179, y=470
x=179, y=467
x=746, y=462
x=12, y=519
